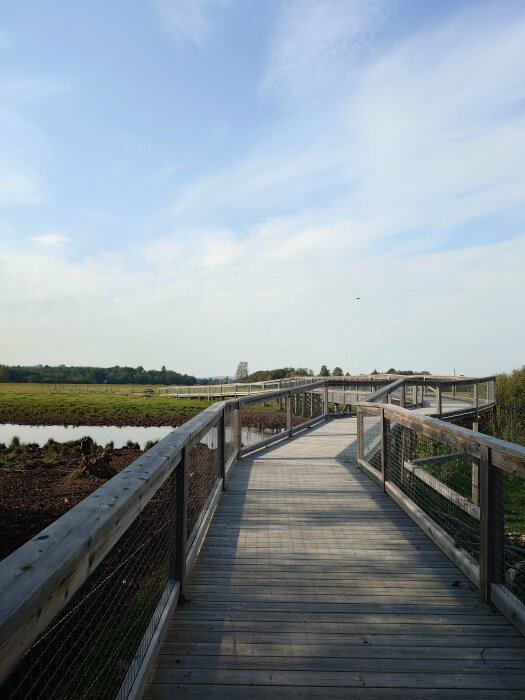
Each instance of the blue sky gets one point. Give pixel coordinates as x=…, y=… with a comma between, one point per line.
x=198, y=182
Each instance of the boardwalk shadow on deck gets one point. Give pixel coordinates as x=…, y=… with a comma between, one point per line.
x=313, y=583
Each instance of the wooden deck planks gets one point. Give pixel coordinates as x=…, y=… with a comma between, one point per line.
x=313, y=583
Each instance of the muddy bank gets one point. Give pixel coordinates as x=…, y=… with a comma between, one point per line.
x=251, y=418
x=35, y=490
x=39, y=484
x=35, y=417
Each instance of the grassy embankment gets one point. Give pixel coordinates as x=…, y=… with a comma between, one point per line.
x=508, y=423
x=71, y=404
x=95, y=404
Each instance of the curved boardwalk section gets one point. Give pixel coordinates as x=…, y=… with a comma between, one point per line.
x=312, y=583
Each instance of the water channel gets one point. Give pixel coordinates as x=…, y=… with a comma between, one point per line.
x=102, y=434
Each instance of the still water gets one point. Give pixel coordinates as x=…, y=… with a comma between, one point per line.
x=102, y=434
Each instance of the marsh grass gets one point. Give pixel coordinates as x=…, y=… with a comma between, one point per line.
x=40, y=404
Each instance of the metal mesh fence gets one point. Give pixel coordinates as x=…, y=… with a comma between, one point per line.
x=485, y=393
x=455, y=397
x=95, y=646
x=372, y=441
x=204, y=470
x=510, y=533
x=262, y=420
x=444, y=484
x=229, y=433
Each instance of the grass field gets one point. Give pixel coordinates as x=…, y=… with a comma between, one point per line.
x=99, y=404
x=75, y=404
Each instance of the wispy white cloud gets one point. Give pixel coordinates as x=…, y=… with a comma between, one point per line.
x=51, y=240
x=285, y=276
x=24, y=149
x=429, y=135
x=19, y=185
x=424, y=140
x=318, y=41
x=189, y=20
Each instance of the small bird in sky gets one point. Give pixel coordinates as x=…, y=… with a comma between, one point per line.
x=358, y=298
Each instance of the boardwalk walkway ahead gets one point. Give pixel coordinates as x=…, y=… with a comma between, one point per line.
x=313, y=583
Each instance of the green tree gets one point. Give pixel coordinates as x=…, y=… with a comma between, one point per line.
x=324, y=371
x=337, y=372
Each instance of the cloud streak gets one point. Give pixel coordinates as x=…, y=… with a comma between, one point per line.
x=189, y=20
x=278, y=281
x=314, y=43
x=51, y=240
x=415, y=140
x=24, y=149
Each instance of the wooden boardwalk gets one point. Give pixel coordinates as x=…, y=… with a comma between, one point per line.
x=312, y=583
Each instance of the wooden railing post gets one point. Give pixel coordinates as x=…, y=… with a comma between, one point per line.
x=476, y=397
x=360, y=445
x=181, y=521
x=439, y=400
x=402, y=396
x=474, y=493
x=237, y=428
x=492, y=536
x=326, y=398
x=289, y=399
x=487, y=523
x=221, y=437
x=384, y=443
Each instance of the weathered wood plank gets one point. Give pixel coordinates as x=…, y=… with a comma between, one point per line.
x=255, y=692
x=338, y=664
x=508, y=680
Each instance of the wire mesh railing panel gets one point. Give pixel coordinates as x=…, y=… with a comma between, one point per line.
x=484, y=393
x=262, y=420
x=204, y=470
x=454, y=397
x=492, y=391
x=509, y=533
x=93, y=649
x=444, y=484
x=229, y=434
x=372, y=440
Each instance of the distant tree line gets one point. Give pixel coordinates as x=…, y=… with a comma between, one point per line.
x=94, y=375
x=407, y=372
x=265, y=375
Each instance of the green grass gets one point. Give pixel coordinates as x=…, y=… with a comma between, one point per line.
x=72, y=404
x=98, y=404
